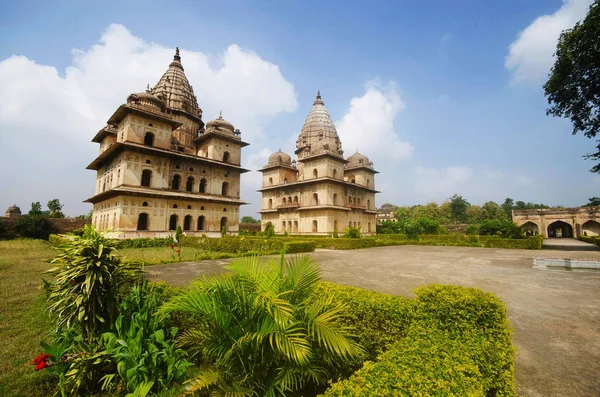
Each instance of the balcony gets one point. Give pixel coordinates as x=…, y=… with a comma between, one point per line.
x=356, y=206
x=288, y=206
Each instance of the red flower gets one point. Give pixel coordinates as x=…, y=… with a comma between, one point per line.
x=171, y=246
x=177, y=251
x=41, y=361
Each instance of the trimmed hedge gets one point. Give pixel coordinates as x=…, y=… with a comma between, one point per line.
x=294, y=247
x=56, y=239
x=346, y=243
x=143, y=242
x=458, y=342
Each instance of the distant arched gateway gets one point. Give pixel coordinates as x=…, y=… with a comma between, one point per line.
x=559, y=222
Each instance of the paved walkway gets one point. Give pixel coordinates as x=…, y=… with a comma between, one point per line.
x=555, y=314
x=569, y=244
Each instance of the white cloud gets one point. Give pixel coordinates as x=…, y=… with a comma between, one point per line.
x=47, y=118
x=368, y=124
x=437, y=184
x=530, y=56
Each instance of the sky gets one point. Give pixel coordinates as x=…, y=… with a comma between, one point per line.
x=444, y=97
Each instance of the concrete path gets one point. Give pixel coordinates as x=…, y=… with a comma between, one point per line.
x=569, y=244
x=555, y=314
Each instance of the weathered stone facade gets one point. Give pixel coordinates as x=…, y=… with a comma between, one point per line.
x=560, y=222
x=159, y=167
x=322, y=192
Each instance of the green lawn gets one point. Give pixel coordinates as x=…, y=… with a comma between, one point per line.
x=23, y=322
x=158, y=255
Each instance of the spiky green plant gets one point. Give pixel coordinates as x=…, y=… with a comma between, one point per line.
x=261, y=332
x=88, y=275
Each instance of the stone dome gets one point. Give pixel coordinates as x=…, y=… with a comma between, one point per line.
x=13, y=211
x=146, y=98
x=358, y=159
x=318, y=130
x=280, y=157
x=175, y=89
x=220, y=125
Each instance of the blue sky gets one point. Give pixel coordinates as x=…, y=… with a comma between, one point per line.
x=444, y=97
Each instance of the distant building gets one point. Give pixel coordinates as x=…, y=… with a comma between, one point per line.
x=159, y=167
x=13, y=212
x=387, y=213
x=559, y=222
x=323, y=192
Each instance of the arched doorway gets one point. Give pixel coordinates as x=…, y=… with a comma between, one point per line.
x=530, y=228
x=142, y=221
x=225, y=189
x=173, y=222
x=560, y=229
x=189, y=185
x=590, y=228
x=146, y=177
x=203, y=185
x=201, y=222
x=226, y=157
x=149, y=139
x=175, y=182
x=187, y=222
x=224, y=223
x=315, y=226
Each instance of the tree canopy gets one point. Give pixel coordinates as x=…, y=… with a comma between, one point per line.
x=249, y=219
x=573, y=87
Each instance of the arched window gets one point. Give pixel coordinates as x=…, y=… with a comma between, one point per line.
x=189, y=207
x=289, y=226
x=283, y=201
x=283, y=226
x=187, y=222
x=335, y=226
x=270, y=181
x=175, y=182
x=174, y=205
x=225, y=189
x=289, y=200
x=295, y=199
x=315, y=226
x=270, y=203
x=334, y=198
x=315, y=173
x=295, y=230
x=148, y=161
x=224, y=209
x=226, y=157
x=202, y=208
x=368, y=204
x=335, y=173
x=149, y=139
x=315, y=199
x=189, y=184
x=284, y=180
x=173, y=222
x=146, y=177
x=224, y=223
x=203, y=185
x=201, y=222
x=145, y=204
x=368, y=182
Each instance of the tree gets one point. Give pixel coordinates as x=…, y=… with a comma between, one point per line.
x=261, y=331
x=491, y=210
x=403, y=214
x=249, y=219
x=55, y=208
x=573, y=88
x=508, y=206
x=474, y=214
x=36, y=209
x=593, y=202
x=459, y=207
x=430, y=211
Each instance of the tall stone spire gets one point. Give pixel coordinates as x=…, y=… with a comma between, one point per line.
x=175, y=89
x=318, y=132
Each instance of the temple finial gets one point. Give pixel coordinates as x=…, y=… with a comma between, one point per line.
x=220, y=115
x=319, y=94
x=318, y=100
x=148, y=87
x=177, y=57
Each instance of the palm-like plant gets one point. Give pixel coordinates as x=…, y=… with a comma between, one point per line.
x=88, y=275
x=260, y=330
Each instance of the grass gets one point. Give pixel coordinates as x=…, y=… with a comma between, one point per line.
x=23, y=321
x=158, y=255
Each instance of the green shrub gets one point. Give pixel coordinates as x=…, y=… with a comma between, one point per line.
x=428, y=226
x=78, y=232
x=34, y=226
x=294, y=247
x=269, y=230
x=56, y=239
x=379, y=319
x=472, y=230
x=458, y=342
x=345, y=243
x=588, y=239
x=7, y=230
x=261, y=332
x=352, y=232
x=412, y=230
x=143, y=242
x=528, y=243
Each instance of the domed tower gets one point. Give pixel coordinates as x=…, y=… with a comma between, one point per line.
x=325, y=193
x=318, y=146
x=158, y=168
x=13, y=212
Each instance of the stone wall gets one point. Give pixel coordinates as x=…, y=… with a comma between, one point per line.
x=59, y=225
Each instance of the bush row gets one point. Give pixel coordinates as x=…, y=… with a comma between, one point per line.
x=590, y=239
x=451, y=341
